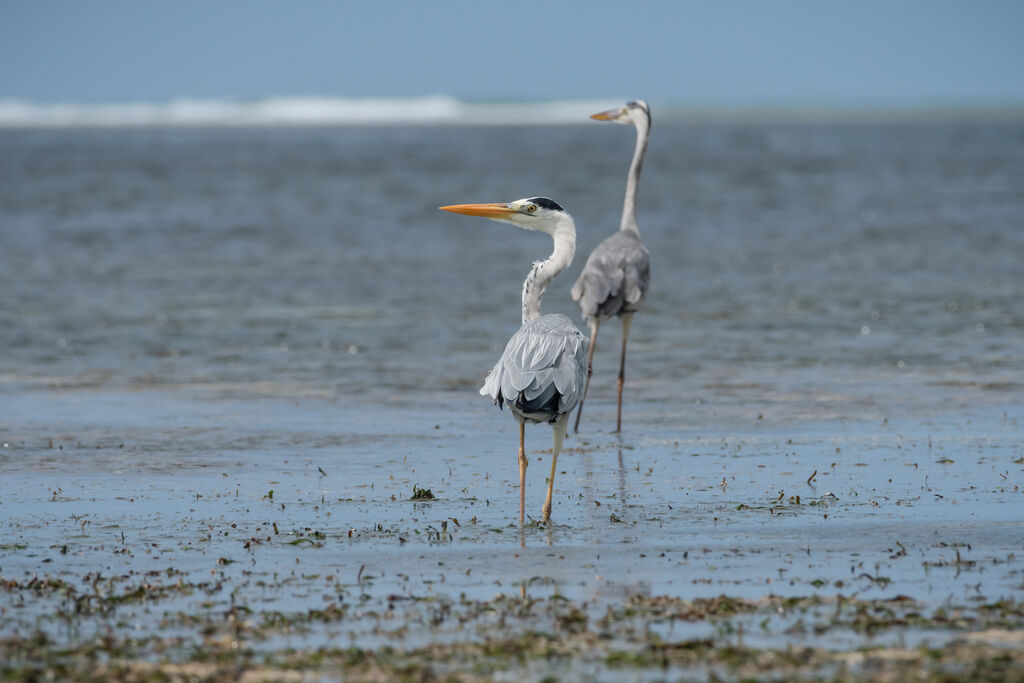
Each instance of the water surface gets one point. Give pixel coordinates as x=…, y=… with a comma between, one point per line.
x=234, y=352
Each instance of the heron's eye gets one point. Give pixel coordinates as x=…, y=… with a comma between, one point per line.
x=531, y=208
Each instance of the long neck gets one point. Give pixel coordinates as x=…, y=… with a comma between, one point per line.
x=628, y=224
x=543, y=272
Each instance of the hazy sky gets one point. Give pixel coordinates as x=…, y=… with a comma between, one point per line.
x=721, y=52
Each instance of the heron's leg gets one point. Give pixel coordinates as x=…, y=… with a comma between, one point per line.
x=627, y=320
x=558, y=429
x=590, y=370
x=522, y=472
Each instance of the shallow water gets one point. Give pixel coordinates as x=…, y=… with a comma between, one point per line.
x=794, y=262
x=195, y=318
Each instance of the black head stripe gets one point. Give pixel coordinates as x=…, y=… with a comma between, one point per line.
x=640, y=104
x=545, y=203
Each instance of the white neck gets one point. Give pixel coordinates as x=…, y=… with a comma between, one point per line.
x=543, y=272
x=628, y=224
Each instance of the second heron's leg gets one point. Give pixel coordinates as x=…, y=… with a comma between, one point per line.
x=590, y=370
x=558, y=430
x=627, y=320
x=522, y=472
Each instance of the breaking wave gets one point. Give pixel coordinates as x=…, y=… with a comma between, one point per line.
x=296, y=111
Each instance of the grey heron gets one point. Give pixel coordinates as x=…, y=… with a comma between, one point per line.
x=615, y=278
x=540, y=374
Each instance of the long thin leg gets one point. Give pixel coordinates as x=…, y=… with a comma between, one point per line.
x=558, y=430
x=627, y=320
x=522, y=473
x=590, y=370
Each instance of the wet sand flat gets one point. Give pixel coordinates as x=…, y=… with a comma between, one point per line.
x=284, y=541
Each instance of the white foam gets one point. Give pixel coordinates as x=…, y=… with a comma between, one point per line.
x=295, y=111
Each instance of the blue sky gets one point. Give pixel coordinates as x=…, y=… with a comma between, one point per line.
x=723, y=53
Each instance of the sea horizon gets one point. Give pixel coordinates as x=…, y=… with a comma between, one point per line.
x=319, y=110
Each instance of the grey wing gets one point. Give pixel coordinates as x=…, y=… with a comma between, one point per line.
x=542, y=369
x=614, y=279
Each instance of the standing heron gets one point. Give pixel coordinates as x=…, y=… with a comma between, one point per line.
x=540, y=374
x=615, y=278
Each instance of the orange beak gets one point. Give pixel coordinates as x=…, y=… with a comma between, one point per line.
x=609, y=115
x=497, y=210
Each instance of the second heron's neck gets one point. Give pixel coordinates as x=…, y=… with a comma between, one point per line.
x=633, y=179
x=543, y=272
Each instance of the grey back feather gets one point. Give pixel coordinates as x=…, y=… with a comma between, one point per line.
x=615, y=278
x=546, y=359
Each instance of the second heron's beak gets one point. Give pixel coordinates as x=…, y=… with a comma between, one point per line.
x=497, y=210
x=610, y=115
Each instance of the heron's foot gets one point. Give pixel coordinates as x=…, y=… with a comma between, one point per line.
x=547, y=513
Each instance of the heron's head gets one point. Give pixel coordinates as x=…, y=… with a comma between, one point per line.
x=531, y=213
x=636, y=113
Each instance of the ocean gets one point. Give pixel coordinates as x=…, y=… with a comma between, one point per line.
x=214, y=325
x=798, y=270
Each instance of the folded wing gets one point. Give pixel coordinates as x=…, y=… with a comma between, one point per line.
x=542, y=370
x=615, y=277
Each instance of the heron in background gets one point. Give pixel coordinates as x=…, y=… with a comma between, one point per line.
x=615, y=278
x=540, y=374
